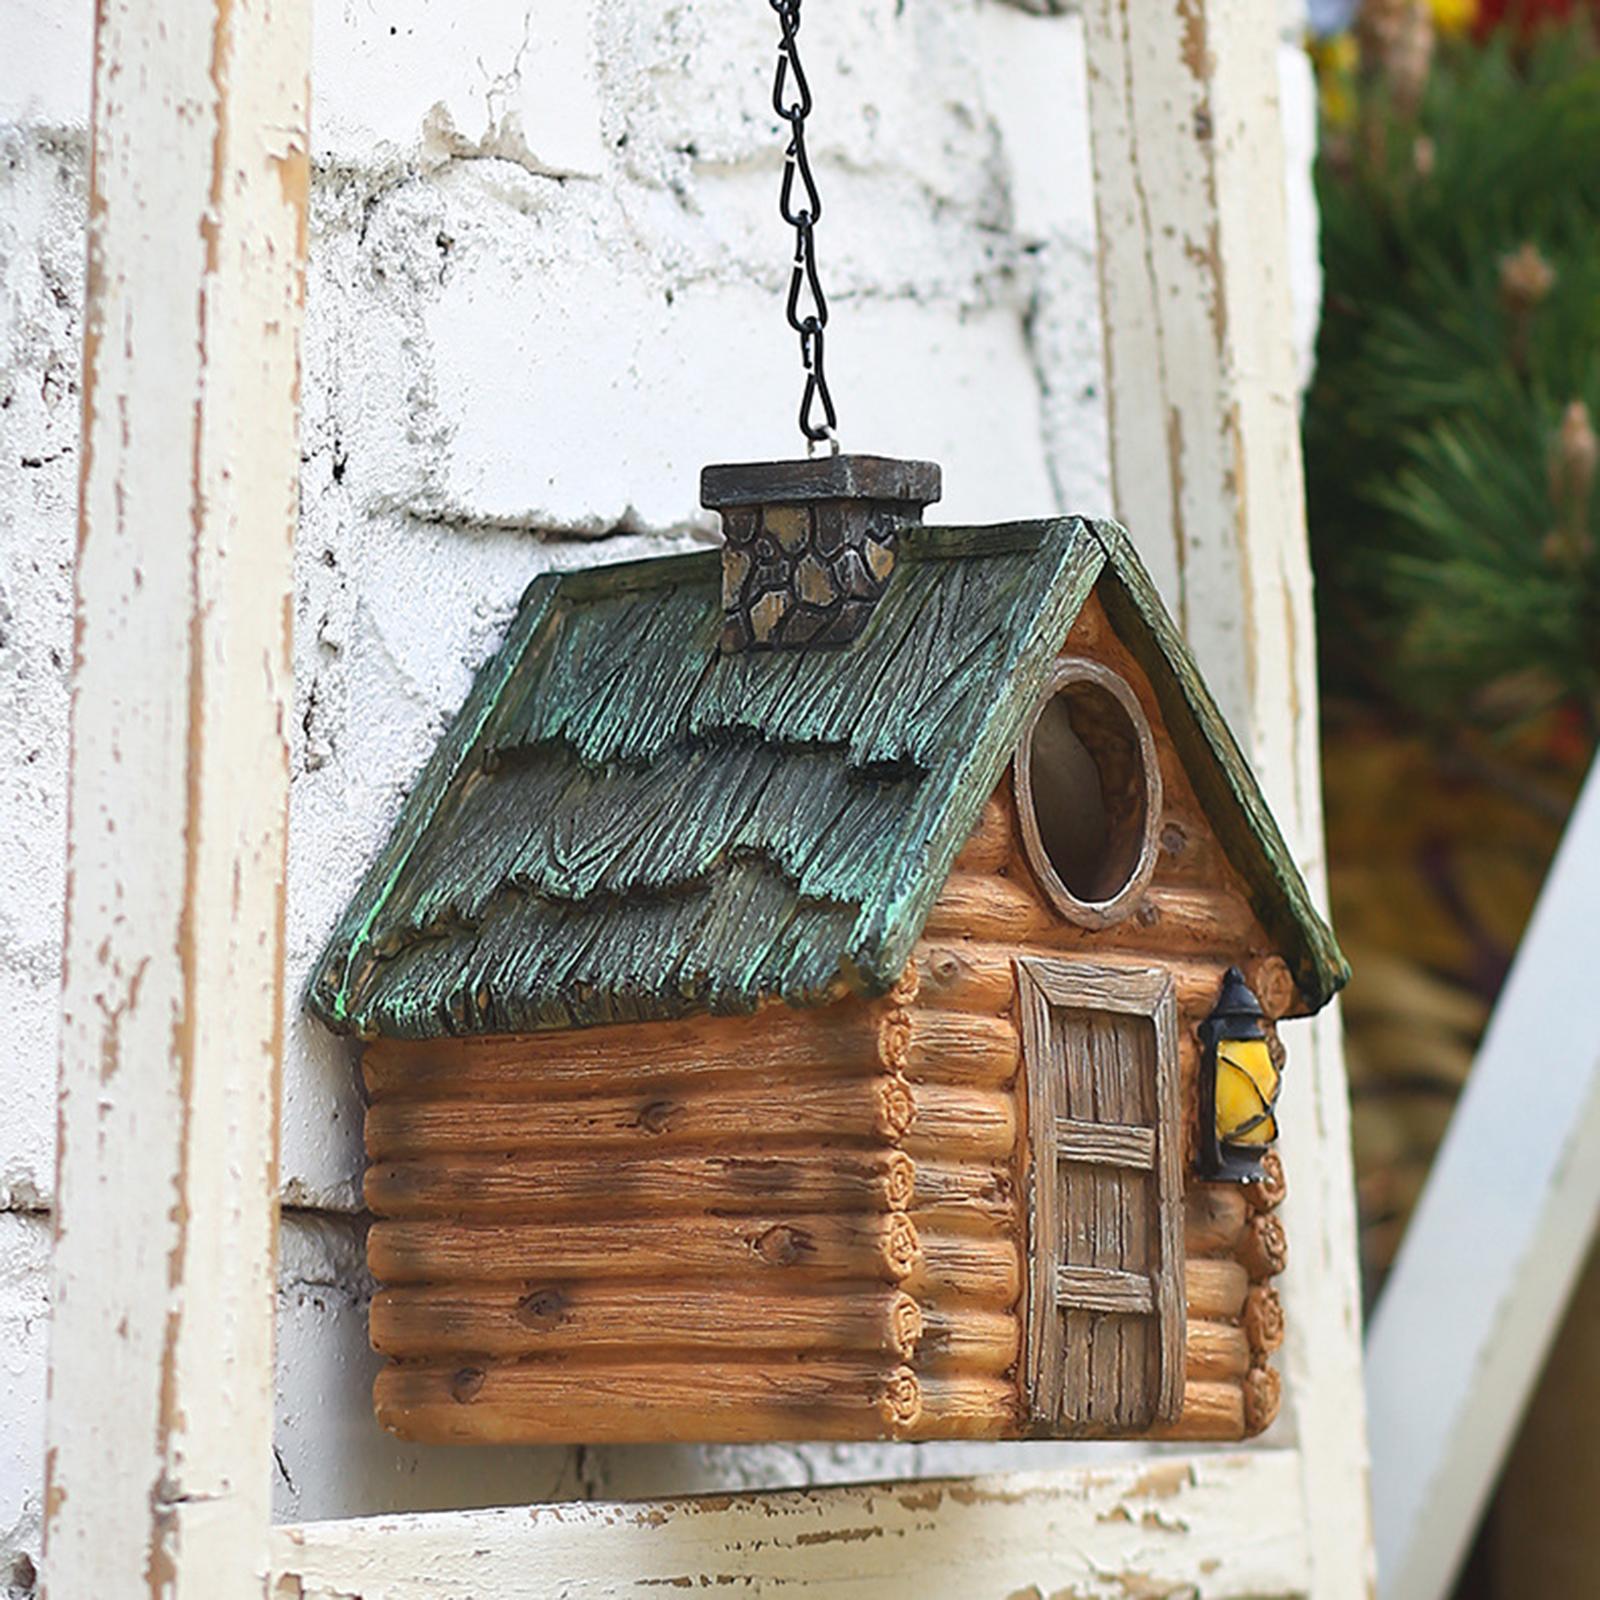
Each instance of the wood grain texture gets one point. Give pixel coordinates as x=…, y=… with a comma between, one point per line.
x=1185, y=921
x=964, y=974
x=771, y=1044
x=1215, y=1218
x=990, y=843
x=1211, y=1410
x=513, y=1187
x=1187, y=140
x=501, y=1320
x=1102, y=1533
x=961, y=1268
x=688, y=1128
x=969, y=1339
x=1264, y=1248
x=1215, y=1288
x=880, y=1249
x=804, y=1110
x=1100, y=1144
x=966, y=1196
x=1215, y=1351
x=634, y=1402
x=159, y=1424
x=1262, y=1319
x=503, y=1239
x=1263, y=1394
x=951, y=1121
x=954, y=1047
x=737, y=1402
x=1105, y=1287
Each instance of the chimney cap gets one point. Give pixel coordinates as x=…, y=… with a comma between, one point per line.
x=842, y=477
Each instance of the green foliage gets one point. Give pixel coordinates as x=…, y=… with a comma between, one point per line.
x=1458, y=581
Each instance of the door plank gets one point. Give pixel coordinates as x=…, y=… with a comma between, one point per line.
x=1105, y=1289
x=1107, y=1144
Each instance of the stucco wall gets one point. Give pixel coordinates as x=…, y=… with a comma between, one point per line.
x=545, y=288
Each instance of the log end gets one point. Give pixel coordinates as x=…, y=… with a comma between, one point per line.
x=1263, y=1319
x=900, y=1400
x=1263, y=1392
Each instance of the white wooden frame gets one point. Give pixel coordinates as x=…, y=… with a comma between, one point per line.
x=160, y=1405
x=160, y=1408
x=1496, y=1241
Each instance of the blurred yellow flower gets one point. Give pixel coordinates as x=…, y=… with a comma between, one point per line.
x=1453, y=17
x=1335, y=58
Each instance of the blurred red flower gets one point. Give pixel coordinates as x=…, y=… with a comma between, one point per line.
x=1527, y=15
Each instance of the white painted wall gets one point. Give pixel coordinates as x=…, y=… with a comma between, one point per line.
x=545, y=281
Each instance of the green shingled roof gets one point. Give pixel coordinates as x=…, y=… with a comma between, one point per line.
x=623, y=823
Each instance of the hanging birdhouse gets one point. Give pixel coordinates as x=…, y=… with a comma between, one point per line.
x=779, y=1035
x=826, y=988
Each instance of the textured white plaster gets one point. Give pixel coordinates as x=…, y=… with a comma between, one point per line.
x=41, y=289
x=473, y=78
x=24, y=1333
x=46, y=48
x=546, y=287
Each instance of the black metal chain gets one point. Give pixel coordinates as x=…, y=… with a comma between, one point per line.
x=807, y=308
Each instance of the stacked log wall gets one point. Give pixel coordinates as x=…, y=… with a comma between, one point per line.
x=704, y=1229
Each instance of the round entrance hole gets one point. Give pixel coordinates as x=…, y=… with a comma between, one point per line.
x=1089, y=794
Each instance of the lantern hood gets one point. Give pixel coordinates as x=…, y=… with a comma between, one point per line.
x=625, y=822
x=1237, y=1000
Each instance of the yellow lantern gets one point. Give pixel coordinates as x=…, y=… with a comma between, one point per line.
x=1239, y=1085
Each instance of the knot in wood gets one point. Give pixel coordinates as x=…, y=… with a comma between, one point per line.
x=544, y=1308
x=657, y=1115
x=784, y=1245
x=465, y=1384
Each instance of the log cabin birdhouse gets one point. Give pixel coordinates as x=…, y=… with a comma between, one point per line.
x=826, y=989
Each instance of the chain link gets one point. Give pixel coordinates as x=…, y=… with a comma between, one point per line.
x=807, y=307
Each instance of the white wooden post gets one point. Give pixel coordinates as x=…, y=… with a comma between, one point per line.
x=1189, y=186
x=160, y=1409
x=1496, y=1241
x=1229, y=1527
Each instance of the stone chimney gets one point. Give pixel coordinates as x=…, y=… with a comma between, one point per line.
x=809, y=545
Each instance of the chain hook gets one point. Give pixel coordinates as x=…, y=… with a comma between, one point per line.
x=790, y=79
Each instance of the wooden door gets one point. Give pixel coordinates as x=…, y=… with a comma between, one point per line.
x=1106, y=1305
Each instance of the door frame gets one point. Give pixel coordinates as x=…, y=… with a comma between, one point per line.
x=1045, y=985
